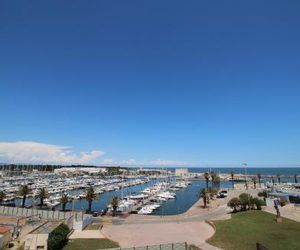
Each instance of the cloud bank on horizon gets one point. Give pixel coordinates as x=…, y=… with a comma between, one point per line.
x=41, y=153
x=30, y=152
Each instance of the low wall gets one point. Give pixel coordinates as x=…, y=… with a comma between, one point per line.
x=171, y=246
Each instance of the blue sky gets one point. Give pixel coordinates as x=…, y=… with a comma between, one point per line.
x=160, y=83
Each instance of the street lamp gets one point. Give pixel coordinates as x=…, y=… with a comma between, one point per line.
x=245, y=168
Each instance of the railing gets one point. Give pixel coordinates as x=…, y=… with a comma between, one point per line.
x=171, y=246
x=67, y=217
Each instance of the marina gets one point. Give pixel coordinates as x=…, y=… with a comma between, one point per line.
x=155, y=194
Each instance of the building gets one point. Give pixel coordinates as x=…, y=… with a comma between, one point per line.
x=70, y=171
x=36, y=242
x=181, y=172
x=152, y=171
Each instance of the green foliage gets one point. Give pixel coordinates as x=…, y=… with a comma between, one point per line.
x=24, y=190
x=43, y=194
x=258, y=203
x=113, y=171
x=58, y=237
x=263, y=194
x=114, y=202
x=2, y=196
x=90, y=196
x=244, y=199
x=64, y=199
x=234, y=203
x=245, y=202
x=204, y=195
x=215, y=179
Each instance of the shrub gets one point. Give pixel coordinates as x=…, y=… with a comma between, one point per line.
x=58, y=237
x=283, y=203
x=234, y=203
x=262, y=194
x=258, y=203
x=245, y=201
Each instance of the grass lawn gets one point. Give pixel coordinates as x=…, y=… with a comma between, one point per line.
x=90, y=244
x=247, y=228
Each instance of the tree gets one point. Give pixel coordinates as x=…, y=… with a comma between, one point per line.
x=64, y=199
x=295, y=177
x=2, y=196
x=204, y=195
x=278, y=178
x=259, y=179
x=217, y=182
x=254, y=182
x=232, y=179
x=258, y=203
x=206, y=177
x=213, y=176
x=43, y=194
x=90, y=196
x=215, y=179
x=114, y=202
x=273, y=181
x=234, y=203
x=244, y=198
x=24, y=190
x=263, y=194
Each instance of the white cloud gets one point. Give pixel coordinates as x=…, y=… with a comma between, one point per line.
x=41, y=153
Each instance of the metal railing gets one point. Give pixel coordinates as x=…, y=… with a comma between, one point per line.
x=170, y=246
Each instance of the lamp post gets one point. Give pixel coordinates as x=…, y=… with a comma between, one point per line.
x=246, y=181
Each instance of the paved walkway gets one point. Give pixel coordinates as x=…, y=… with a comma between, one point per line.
x=128, y=235
x=87, y=234
x=289, y=211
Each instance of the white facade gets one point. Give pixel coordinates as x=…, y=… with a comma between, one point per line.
x=182, y=172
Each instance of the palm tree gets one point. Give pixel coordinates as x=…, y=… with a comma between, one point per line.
x=206, y=177
x=204, y=195
x=295, y=177
x=232, y=179
x=114, y=203
x=64, y=199
x=2, y=196
x=254, y=182
x=90, y=196
x=273, y=181
x=43, y=194
x=217, y=182
x=213, y=179
x=259, y=179
x=24, y=190
x=278, y=178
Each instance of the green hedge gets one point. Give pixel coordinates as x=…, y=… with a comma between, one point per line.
x=58, y=238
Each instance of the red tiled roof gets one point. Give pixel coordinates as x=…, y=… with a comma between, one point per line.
x=4, y=230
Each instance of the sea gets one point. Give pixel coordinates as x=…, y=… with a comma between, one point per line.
x=251, y=171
